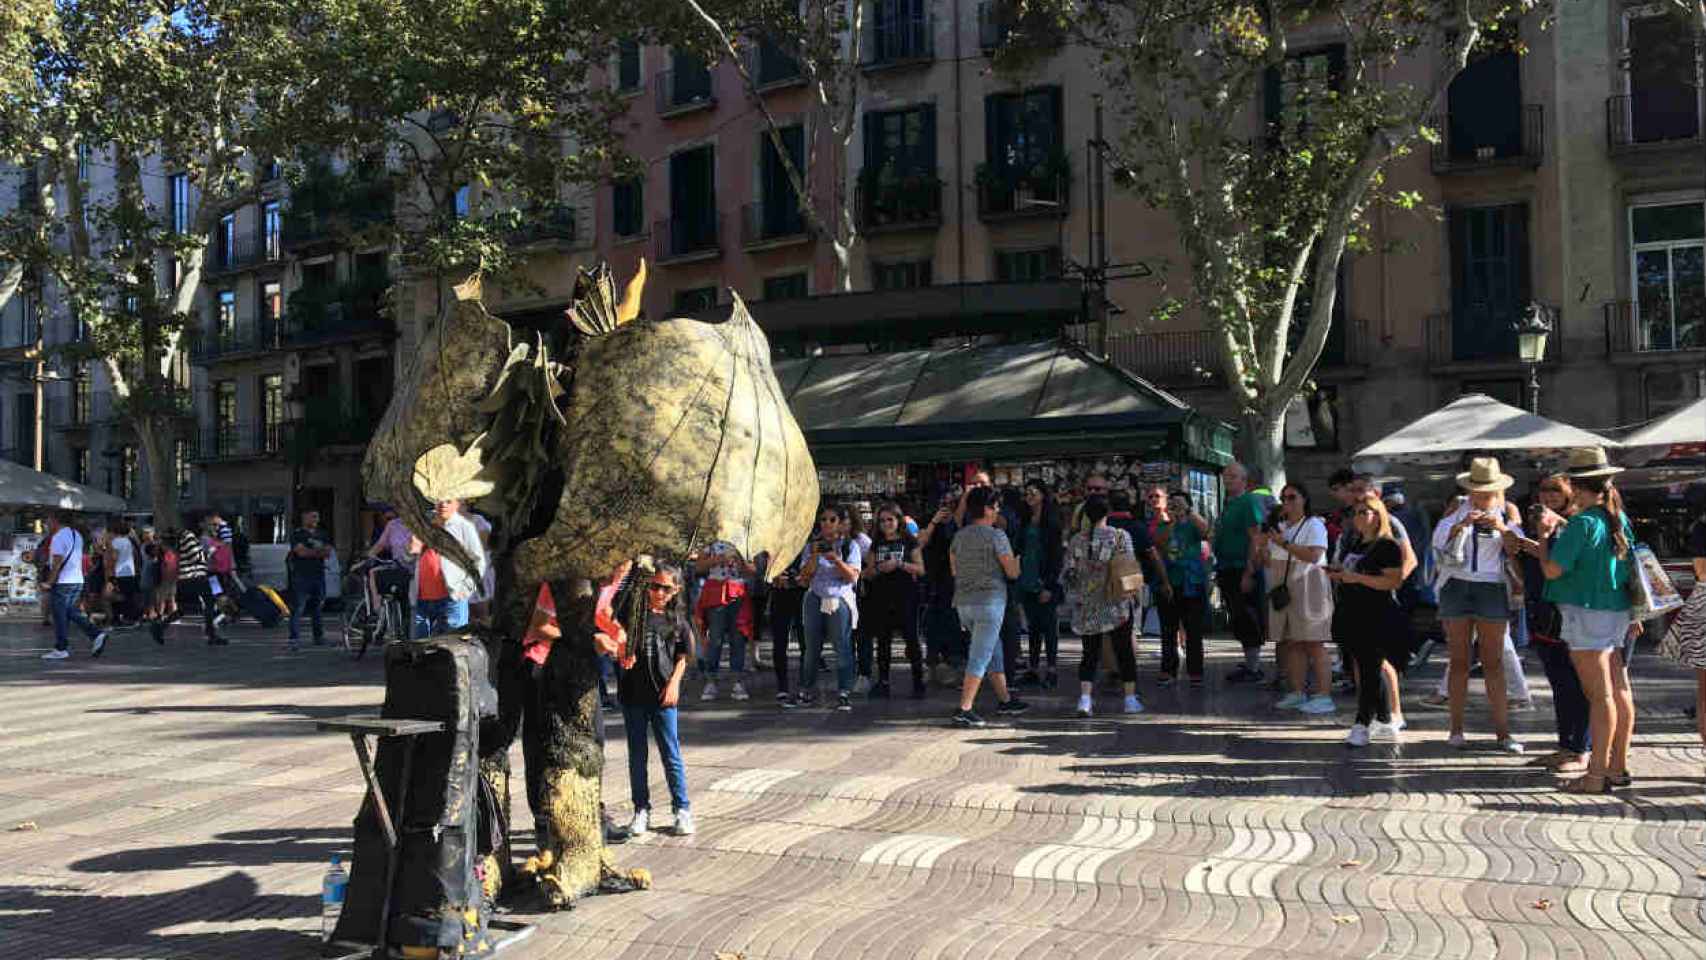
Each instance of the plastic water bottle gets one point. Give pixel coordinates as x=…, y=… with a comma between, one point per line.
x=332, y=889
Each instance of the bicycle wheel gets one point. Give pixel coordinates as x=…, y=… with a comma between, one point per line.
x=357, y=631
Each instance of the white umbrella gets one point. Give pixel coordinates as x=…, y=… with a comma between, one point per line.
x=1687, y=425
x=23, y=488
x=1478, y=422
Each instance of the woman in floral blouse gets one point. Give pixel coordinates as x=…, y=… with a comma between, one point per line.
x=1086, y=576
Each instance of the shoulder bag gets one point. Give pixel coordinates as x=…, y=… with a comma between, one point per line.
x=1125, y=574
x=1280, y=596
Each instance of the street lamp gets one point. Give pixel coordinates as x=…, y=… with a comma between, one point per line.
x=1531, y=333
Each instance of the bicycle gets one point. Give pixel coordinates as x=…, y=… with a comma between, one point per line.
x=361, y=624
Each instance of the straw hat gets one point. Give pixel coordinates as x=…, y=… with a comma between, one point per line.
x=1484, y=476
x=1589, y=462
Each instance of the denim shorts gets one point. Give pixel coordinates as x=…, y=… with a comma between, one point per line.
x=1586, y=629
x=1473, y=600
x=983, y=622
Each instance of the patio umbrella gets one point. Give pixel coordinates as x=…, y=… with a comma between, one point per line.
x=23, y=488
x=1478, y=422
x=1673, y=445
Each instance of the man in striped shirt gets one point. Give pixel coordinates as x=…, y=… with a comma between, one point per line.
x=193, y=588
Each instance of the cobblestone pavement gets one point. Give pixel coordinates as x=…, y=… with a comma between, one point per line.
x=177, y=803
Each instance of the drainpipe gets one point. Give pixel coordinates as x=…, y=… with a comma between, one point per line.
x=959, y=159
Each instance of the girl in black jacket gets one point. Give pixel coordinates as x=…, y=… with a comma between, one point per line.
x=1041, y=547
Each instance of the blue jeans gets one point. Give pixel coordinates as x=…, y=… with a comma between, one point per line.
x=720, y=626
x=839, y=627
x=1569, y=703
x=984, y=619
x=309, y=594
x=65, y=613
x=439, y=616
x=637, y=719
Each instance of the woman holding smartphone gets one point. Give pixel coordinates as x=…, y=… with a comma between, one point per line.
x=830, y=565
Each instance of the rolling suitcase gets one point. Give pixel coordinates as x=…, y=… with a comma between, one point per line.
x=257, y=604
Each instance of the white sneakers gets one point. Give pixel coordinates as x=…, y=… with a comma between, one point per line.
x=57, y=655
x=862, y=685
x=1133, y=705
x=1290, y=701
x=739, y=692
x=1385, y=731
x=1084, y=705
x=710, y=691
x=684, y=823
x=1510, y=745
x=1319, y=704
x=1358, y=737
x=1457, y=740
x=641, y=824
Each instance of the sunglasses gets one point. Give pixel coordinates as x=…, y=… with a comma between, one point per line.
x=660, y=587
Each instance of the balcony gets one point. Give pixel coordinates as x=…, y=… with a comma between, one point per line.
x=685, y=239
x=684, y=91
x=770, y=68
x=999, y=21
x=1483, y=338
x=912, y=202
x=900, y=41
x=335, y=212
x=1522, y=148
x=220, y=345
x=230, y=442
x=79, y=412
x=1347, y=351
x=548, y=226
x=1009, y=198
x=766, y=225
x=311, y=323
x=1177, y=360
x=1628, y=339
x=1649, y=120
x=246, y=251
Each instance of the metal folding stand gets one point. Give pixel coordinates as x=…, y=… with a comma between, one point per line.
x=359, y=728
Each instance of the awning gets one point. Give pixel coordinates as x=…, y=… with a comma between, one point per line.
x=1687, y=425
x=1478, y=422
x=1671, y=449
x=22, y=488
x=1043, y=399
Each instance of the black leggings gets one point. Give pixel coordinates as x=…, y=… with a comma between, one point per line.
x=1371, y=692
x=1120, y=639
x=1189, y=612
x=784, y=613
x=880, y=624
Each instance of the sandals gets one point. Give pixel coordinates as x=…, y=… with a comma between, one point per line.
x=1588, y=783
x=1619, y=778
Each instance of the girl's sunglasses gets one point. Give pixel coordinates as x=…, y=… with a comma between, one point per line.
x=660, y=587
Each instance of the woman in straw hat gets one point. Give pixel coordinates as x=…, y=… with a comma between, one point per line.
x=1474, y=600
x=1587, y=573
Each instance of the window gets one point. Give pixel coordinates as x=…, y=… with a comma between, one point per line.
x=225, y=245
x=83, y=163
x=789, y=286
x=1312, y=421
x=1022, y=141
x=1668, y=274
x=689, y=80
x=225, y=315
x=1663, y=100
x=80, y=465
x=1489, y=280
x=271, y=170
x=692, y=202
x=628, y=207
x=271, y=310
x=272, y=410
x=900, y=31
x=1484, y=108
x=781, y=215
x=272, y=230
x=695, y=299
x=181, y=467
x=900, y=275
x=127, y=471
x=80, y=393
x=178, y=190
x=1027, y=265
x=459, y=203
x=899, y=182
x=771, y=64
x=24, y=426
x=1668, y=390
x=1300, y=88
x=627, y=65
x=225, y=417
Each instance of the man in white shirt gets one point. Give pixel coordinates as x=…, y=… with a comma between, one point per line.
x=65, y=580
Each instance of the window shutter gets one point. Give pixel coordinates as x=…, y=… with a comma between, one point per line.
x=1271, y=92
x=1517, y=218
x=1457, y=225
x=1336, y=66
x=991, y=133
x=929, y=144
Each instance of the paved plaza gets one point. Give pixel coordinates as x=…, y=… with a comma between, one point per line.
x=176, y=802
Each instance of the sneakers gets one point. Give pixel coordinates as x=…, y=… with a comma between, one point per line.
x=1358, y=737
x=1510, y=745
x=843, y=703
x=1083, y=706
x=1291, y=701
x=1383, y=731
x=880, y=690
x=1519, y=706
x=1164, y=680
x=684, y=823
x=57, y=655
x=1243, y=674
x=1132, y=704
x=739, y=692
x=1317, y=705
x=1012, y=707
x=99, y=643
x=219, y=620
x=1435, y=701
x=968, y=718
x=710, y=691
x=785, y=700
x=1196, y=682
x=862, y=685
x=1457, y=741
x=641, y=824
x=1051, y=680
x=805, y=698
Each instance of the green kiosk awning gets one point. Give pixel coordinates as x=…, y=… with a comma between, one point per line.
x=1003, y=401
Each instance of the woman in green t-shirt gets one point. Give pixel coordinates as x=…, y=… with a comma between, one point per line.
x=1587, y=572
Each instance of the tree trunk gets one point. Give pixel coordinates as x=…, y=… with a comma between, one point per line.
x=157, y=446
x=1263, y=441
